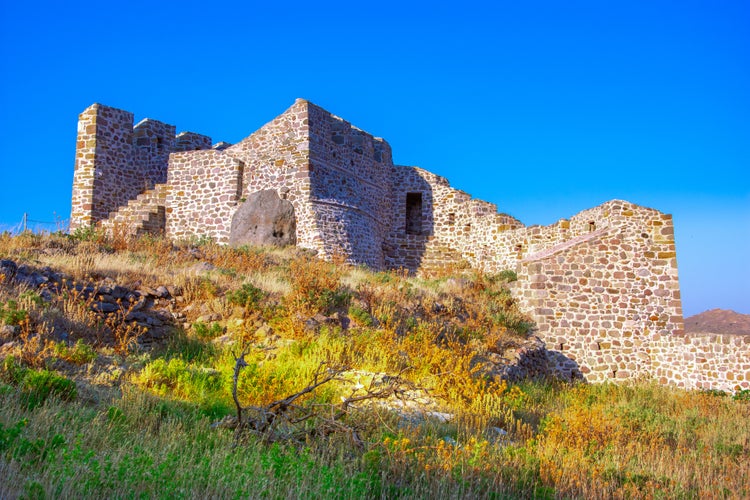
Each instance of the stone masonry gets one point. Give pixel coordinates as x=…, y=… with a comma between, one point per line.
x=601, y=286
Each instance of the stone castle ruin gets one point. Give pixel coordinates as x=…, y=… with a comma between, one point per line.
x=601, y=286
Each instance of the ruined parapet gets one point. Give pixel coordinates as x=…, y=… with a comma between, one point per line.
x=115, y=161
x=190, y=141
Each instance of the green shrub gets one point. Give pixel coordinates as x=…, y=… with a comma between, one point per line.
x=208, y=331
x=248, y=296
x=85, y=233
x=181, y=380
x=507, y=276
x=513, y=321
x=32, y=297
x=359, y=315
x=10, y=314
x=37, y=386
x=190, y=348
x=12, y=371
x=80, y=354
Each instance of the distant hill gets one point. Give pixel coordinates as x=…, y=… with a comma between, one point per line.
x=719, y=321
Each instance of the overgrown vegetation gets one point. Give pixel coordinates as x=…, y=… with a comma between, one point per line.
x=87, y=410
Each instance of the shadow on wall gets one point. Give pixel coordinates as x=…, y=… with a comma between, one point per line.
x=413, y=221
x=563, y=366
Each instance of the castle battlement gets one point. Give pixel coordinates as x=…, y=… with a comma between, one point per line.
x=601, y=285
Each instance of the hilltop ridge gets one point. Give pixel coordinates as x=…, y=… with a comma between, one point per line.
x=723, y=321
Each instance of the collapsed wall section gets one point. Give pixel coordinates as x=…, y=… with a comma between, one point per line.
x=601, y=299
x=205, y=188
x=350, y=188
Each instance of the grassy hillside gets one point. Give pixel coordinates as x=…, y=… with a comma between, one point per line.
x=119, y=360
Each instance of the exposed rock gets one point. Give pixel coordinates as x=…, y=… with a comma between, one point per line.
x=7, y=332
x=209, y=318
x=264, y=219
x=8, y=268
x=515, y=360
x=202, y=268
x=105, y=307
x=226, y=339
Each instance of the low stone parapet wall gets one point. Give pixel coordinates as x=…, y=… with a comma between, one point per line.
x=702, y=361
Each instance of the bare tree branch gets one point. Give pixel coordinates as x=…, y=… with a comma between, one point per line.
x=281, y=419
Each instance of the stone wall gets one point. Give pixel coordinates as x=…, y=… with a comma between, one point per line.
x=350, y=188
x=702, y=361
x=276, y=156
x=600, y=299
x=190, y=141
x=115, y=161
x=449, y=218
x=153, y=141
x=601, y=286
x=104, y=177
x=205, y=187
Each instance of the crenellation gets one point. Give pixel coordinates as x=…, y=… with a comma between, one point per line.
x=601, y=286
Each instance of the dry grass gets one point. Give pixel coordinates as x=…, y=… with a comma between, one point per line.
x=153, y=438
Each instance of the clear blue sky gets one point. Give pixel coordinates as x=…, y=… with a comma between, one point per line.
x=544, y=108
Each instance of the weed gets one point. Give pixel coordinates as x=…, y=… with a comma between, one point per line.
x=80, y=354
x=204, y=331
x=248, y=296
x=360, y=316
x=37, y=385
x=10, y=314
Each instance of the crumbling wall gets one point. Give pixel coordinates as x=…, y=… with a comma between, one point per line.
x=601, y=286
x=205, y=187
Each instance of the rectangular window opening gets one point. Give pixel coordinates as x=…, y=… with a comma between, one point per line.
x=413, y=213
